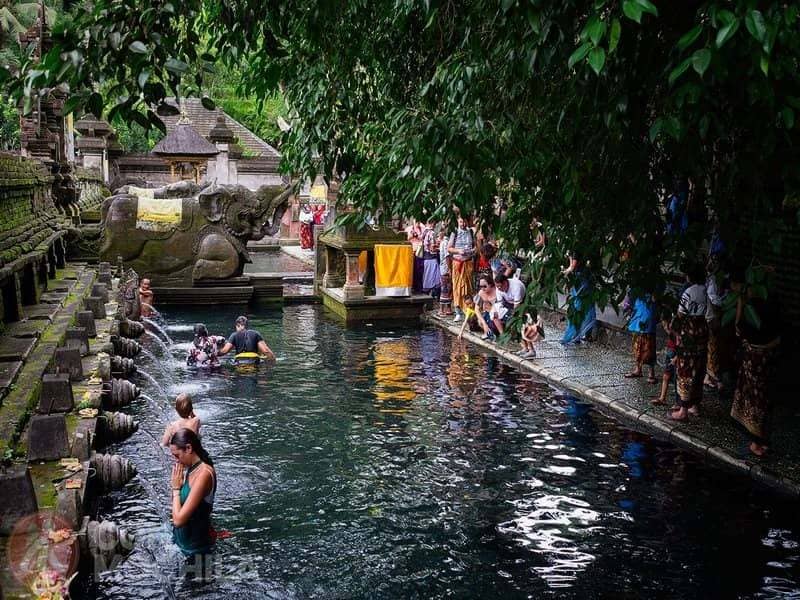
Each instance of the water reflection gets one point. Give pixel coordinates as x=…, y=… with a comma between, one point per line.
x=390, y=463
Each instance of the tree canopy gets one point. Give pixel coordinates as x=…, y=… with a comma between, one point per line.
x=578, y=113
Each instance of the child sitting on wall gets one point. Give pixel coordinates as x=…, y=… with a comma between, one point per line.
x=188, y=420
x=146, y=298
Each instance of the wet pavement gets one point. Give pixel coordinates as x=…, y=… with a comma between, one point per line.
x=595, y=372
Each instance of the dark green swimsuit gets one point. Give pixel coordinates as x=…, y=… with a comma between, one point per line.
x=195, y=537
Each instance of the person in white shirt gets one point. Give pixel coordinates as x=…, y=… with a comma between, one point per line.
x=691, y=330
x=511, y=288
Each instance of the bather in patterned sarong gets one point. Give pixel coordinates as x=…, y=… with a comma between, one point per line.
x=751, y=404
x=692, y=333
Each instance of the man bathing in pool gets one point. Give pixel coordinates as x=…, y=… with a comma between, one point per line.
x=246, y=340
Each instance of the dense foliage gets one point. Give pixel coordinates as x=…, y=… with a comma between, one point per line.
x=577, y=113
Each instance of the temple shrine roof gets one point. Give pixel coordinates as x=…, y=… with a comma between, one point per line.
x=184, y=140
x=204, y=121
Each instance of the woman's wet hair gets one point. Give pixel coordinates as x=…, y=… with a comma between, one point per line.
x=184, y=438
x=183, y=405
x=200, y=330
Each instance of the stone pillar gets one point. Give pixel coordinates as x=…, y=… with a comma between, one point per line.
x=101, y=291
x=96, y=305
x=61, y=254
x=353, y=289
x=334, y=277
x=78, y=337
x=51, y=262
x=221, y=164
x=56, y=394
x=85, y=319
x=47, y=437
x=17, y=496
x=106, y=176
x=68, y=360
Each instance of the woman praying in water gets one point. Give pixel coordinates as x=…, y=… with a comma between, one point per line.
x=194, y=484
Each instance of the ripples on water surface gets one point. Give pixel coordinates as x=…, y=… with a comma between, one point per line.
x=379, y=462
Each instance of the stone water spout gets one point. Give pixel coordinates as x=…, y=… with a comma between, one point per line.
x=131, y=329
x=118, y=393
x=105, y=543
x=191, y=234
x=112, y=470
x=122, y=367
x=125, y=347
x=117, y=426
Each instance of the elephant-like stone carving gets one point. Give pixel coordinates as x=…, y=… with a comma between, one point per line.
x=183, y=233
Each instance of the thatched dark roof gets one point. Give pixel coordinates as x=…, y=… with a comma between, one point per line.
x=204, y=120
x=184, y=140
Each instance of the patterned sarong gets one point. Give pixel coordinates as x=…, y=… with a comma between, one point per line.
x=306, y=236
x=692, y=332
x=446, y=295
x=644, y=348
x=751, y=403
x=721, y=349
x=462, y=282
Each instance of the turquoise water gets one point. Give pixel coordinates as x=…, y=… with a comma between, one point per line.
x=392, y=462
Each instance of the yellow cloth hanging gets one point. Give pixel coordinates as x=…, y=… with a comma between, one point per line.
x=158, y=214
x=394, y=269
x=362, y=265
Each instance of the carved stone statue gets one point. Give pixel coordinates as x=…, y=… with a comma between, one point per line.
x=184, y=233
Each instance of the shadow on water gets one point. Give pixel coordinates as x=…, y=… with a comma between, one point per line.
x=391, y=462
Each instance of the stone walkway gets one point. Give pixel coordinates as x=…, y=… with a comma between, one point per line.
x=595, y=373
x=297, y=252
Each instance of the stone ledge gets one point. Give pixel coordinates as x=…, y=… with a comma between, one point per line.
x=634, y=417
x=23, y=395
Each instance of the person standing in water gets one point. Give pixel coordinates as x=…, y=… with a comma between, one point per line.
x=245, y=340
x=194, y=484
x=204, y=350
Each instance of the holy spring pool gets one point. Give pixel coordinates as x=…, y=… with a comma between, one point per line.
x=394, y=462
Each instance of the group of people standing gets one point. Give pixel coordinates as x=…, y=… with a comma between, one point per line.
x=481, y=287
x=704, y=350
x=474, y=280
x=310, y=215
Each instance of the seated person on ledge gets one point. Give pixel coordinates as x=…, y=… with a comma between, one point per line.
x=146, y=298
x=246, y=340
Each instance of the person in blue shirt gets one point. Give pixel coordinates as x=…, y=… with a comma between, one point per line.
x=677, y=208
x=642, y=325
